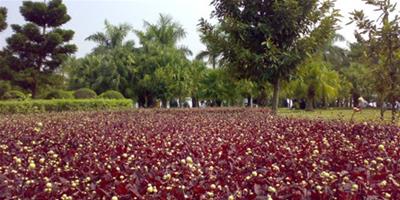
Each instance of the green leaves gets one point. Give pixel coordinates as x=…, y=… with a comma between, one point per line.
x=381, y=42
x=38, y=48
x=112, y=38
x=113, y=70
x=52, y=14
x=315, y=81
x=266, y=40
x=3, y=17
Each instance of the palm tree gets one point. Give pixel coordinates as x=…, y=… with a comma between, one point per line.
x=112, y=38
x=336, y=55
x=197, y=70
x=212, y=52
x=212, y=57
x=165, y=33
x=160, y=49
x=315, y=80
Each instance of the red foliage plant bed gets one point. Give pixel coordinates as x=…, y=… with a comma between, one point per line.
x=195, y=154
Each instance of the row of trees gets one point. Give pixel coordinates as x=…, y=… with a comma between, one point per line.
x=258, y=50
x=380, y=40
x=157, y=69
x=289, y=44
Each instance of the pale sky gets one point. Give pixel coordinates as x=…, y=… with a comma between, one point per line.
x=88, y=17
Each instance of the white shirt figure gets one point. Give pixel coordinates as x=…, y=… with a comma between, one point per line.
x=362, y=103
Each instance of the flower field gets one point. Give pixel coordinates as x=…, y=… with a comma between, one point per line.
x=195, y=154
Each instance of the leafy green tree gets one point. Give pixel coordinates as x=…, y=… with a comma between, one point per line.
x=4, y=70
x=176, y=82
x=382, y=46
x=266, y=40
x=3, y=17
x=345, y=92
x=315, y=81
x=165, y=33
x=38, y=48
x=357, y=75
x=102, y=72
x=219, y=88
x=159, y=49
x=335, y=55
x=196, y=73
x=110, y=66
x=360, y=76
x=213, y=51
x=247, y=89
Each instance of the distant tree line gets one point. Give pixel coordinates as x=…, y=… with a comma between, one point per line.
x=262, y=51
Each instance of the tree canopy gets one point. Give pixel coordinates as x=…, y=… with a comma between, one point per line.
x=381, y=44
x=266, y=40
x=255, y=49
x=3, y=18
x=38, y=48
x=112, y=38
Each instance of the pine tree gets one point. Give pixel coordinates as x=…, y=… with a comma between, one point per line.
x=38, y=48
x=3, y=17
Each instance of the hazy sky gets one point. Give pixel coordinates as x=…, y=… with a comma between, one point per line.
x=88, y=17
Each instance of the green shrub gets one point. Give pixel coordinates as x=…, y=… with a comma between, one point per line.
x=85, y=93
x=14, y=95
x=59, y=105
x=5, y=86
x=59, y=94
x=111, y=94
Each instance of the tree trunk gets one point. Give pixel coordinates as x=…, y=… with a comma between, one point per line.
x=325, y=102
x=310, y=99
x=275, y=97
x=218, y=103
x=152, y=103
x=351, y=102
x=34, y=90
x=394, y=113
x=262, y=100
x=164, y=103
x=309, y=104
x=381, y=104
x=34, y=86
x=382, y=112
x=249, y=102
x=214, y=61
x=141, y=101
x=355, y=100
x=195, y=102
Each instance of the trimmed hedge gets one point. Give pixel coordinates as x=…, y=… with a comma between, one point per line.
x=111, y=94
x=59, y=105
x=59, y=94
x=14, y=95
x=85, y=93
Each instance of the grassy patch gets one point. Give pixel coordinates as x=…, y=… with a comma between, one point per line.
x=367, y=115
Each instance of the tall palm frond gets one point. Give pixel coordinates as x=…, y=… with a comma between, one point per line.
x=112, y=37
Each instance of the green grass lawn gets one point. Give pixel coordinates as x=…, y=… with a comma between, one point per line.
x=367, y=115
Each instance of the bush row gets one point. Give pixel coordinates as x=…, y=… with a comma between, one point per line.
x=59, y=105
x=84, y=93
